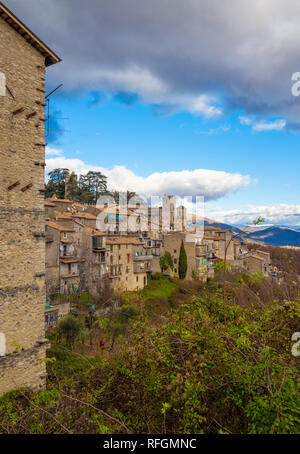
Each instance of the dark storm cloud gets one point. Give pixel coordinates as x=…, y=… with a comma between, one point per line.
x=205, y=57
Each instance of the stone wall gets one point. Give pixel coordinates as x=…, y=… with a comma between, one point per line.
x=22, y=251
x=22, y=370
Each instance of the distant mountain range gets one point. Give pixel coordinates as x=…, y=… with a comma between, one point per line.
x=277, y=236
x=270, y=235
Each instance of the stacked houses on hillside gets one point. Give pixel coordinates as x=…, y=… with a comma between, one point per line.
x=82, y=256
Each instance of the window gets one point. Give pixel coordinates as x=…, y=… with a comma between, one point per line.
x=175, y=261
x=128, y=258
x=137, y=279
x=175, y=251
x=97, y=242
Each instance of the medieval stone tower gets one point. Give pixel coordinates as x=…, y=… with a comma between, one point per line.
x=23, y=60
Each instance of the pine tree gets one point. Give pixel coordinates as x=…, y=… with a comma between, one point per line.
x=57, y=183
x=182, y=268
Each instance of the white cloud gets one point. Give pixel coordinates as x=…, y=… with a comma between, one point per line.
x=151, y=90
x=53, y=152
x=210, y=183
x=214, y=131
x=245, y=120
x=273, y=214
x=277, y=125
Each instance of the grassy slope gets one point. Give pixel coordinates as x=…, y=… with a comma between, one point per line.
x=202, y=368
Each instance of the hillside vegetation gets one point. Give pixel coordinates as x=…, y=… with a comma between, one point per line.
x=174, y=358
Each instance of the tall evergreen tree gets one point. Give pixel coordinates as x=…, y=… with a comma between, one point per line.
x=72, y=189
x=182, y=267
x=95, y=183
x=56, y=183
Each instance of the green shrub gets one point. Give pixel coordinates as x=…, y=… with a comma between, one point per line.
x=71, y=329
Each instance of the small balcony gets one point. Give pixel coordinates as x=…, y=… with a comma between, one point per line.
x=100, y=261
x=99, y=257
x=142, y=267
x=66, y=251
x=114, y=272
x=69, y=275
x=143, y=258
x=200, y=251
x=98, y=244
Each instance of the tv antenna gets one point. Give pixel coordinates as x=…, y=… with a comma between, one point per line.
x=48, y=117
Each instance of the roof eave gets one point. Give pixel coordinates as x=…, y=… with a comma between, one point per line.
x=50, y=57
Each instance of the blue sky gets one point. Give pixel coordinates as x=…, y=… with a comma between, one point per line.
x=175, y=97
x=135, y=136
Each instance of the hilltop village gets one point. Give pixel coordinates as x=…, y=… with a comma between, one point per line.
x=79, y=257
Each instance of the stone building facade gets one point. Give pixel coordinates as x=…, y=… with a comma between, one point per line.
x=23, y=60
x=63, y=265
x=195, y=251
x=128, y=262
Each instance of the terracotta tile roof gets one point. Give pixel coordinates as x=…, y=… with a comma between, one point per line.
x=257, y=257
x=84, y=216
x=69, y=215
x=55, y=199
x=93, y=232
x=262, y=252
x=211, y=237
x=210, y=227
x=79, y=205
x=214, y=229
x=75, y=260
x=116, y=209
x=64, y=215
x=55, y=226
